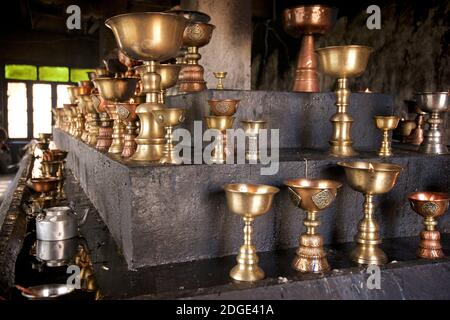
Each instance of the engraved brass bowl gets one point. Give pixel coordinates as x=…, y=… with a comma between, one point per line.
x=170, y=117
x=148, y=35
x=225, y=107
x=198, y=34
x=344, y=61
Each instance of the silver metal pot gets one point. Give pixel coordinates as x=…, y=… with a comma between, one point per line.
x=56, y=253
x=58, y=223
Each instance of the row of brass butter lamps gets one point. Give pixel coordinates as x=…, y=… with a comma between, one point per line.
x=315, y=195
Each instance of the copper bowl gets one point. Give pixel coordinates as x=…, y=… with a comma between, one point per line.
x=309, y=19
x=226, y=107
x=44, y=185
x=429, y=204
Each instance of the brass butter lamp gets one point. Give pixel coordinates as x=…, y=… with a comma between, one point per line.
x=435, y=103
x=386, y=124
x=150, y=37
x=220, y=123
x=220, y=76
x=370, y=179
x=431, y=206
x=343, y=62
x=169, y=77
x=308, y=20
x=313, y=196
x=115, y=91
x=249, y=201
x=252, y=129
x=196, y=35
x=169, y=118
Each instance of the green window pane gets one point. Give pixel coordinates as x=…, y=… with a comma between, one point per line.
x=59, y=74
x=79, y=74
x=20, y=72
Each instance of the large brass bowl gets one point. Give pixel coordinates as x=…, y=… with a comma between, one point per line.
x=198, y=34
x=344, y=61
x=249, y=200
x=169, y=116
x=371, y=177
x=148, y=35
x=386, y=122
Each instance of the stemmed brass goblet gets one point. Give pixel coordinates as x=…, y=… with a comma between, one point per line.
x=386, y=123
x=249, y=201
x=220, y=123
x=343, y=62
x=370, y=179
x=169, y=118
x=220, y=76
x=431, y=206
x=312, y=195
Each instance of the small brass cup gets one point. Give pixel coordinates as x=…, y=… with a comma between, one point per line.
x=386, y=123
x=249, y=201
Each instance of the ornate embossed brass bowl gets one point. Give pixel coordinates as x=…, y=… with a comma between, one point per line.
x=225, y=107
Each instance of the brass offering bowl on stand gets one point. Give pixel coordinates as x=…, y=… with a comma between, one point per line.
x=169, y=118
x=150, y=37
x=249, y=201
x=220, y=123
x=343, y=62
x=223, y=107
x=220, y=76
x=313, y=196
x=252, y=129
x=435, y=103
x=386, y=124
x=371, y=179
x=116, y=90
x=196, y=35
x=169, y=77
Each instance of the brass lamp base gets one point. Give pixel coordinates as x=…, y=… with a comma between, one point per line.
x=193, y=80
x=311, y=257
x=247, y=268
x=104, y=138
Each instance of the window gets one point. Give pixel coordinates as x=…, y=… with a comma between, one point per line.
x=32, y=93
x=17, y=110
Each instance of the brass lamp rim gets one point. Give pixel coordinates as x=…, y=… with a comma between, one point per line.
x=345, y=46
x=227, y=100
x=250, y=188
x=432, y=92
x=253, y=121
x=387, y=117
x=376, y=166
x=179, y=17
x=319, y=184
x=428, y=196
x=223, y=117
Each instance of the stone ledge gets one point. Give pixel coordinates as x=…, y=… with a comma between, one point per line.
x=161, y=214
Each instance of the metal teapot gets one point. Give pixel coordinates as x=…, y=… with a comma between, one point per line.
x=56, y=253
x=58, y=223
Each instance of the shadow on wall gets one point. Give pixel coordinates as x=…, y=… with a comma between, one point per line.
x=412, y=51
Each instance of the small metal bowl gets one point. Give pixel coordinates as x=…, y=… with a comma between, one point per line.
x=44, y=184
x=48, y=291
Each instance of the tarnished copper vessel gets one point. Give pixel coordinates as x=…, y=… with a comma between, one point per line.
x=308, y=20
x=225, y=107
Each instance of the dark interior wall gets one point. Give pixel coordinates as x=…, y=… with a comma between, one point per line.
x=411, y=51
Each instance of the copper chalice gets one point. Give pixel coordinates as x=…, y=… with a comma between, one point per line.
x=308, y=20
x=431, y=206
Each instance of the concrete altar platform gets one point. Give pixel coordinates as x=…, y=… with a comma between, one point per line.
x=303, y=118
x=161, y=214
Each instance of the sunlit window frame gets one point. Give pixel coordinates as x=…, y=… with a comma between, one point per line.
x=29, y=86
